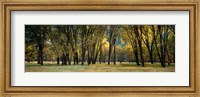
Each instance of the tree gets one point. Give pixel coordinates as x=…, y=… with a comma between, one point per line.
x=30, y=52
x=38, y=35
x=163, y=32
x=84, y=39
x=148, y=40
x=113, y=31
x=56, y=39
x=87, y=33
x=130, y=37
x=73, y=39
x=97, y=42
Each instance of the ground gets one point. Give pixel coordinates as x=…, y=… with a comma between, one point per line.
x=124, y=67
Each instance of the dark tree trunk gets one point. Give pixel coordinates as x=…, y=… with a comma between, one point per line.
x=65, y=60
x=38, y=58
x=140, y=44
x=40, y=55
x=136, y=58
x=114, y=55
x=109, y=54
x=162, y=48
x=150, y=54
x=161, y=51
x=141, y=53
x=100, y=56
x=96, y=55
x=62, y=59
x=58, y=60
x=89, y=59
x=156, y=44
x=110, y=48
x=76, y=57
x=169, y=59
x=151, y=57
x=157, y=50
x=135, y=51
x=68, y=59
x=83, y=57
x=165, y=50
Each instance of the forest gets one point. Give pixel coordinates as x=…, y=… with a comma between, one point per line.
x=120, y=46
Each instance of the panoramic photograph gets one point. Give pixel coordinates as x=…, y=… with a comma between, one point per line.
x=99, y=48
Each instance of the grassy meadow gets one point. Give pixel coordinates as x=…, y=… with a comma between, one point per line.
x=124, y=67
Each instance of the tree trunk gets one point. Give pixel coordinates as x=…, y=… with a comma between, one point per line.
x=76, y=57
x=169, y=59
x=83, y=57
x=164, y=51
x=157, y=50
x=89, y=59
x=136, y=58
x=162, y=48
x=68, y=58
x=110, y=47
x=40, y=55
x=38, y=58
x=140, y=45
x=141, y=53
x=150, y=54
x=65, y=60
x=58, y=60
x=114, y=55
x=151, y=57
x=161, y=51
x=109, y=54
x=156, y=44
x=100, y=56
x=62, y=60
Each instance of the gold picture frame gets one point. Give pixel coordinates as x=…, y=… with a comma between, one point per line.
x=20, y=5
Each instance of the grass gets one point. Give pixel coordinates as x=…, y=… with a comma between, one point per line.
x=124, y=67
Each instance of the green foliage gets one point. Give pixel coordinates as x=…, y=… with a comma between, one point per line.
x=30, y=52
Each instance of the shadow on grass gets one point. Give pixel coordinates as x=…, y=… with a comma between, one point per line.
x=36, y=65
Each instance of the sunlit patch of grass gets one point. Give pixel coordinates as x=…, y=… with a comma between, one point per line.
x=124, y=67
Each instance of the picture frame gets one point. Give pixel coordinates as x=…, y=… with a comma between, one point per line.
x=188, y=91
